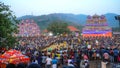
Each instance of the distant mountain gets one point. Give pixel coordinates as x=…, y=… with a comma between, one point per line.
x=111, y=20
x=25, y=17
x=77, y=20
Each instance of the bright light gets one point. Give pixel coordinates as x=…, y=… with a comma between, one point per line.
x=50, y=34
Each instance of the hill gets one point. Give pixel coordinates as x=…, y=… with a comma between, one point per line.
x=76, y=20
x=111, y=20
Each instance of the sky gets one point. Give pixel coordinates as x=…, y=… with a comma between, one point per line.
x=43, y=7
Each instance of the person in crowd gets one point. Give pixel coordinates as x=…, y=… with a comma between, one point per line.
x=78, y=60
x=69, y=60
x=21, y=65
x=10, y=65
x=54, y=62
x=43, y=60
x=111, y=55
x=39, y=59
x=85, y=57
x=71, y=65
x=116, y=52
x=86, y=63
x=34, y=61
x=97, y=54
x=118, y=59
x=34, y=66
x=106, y=57
x=48, y=62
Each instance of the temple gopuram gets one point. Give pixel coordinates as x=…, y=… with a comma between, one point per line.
x=28, y=28
x=96, y=26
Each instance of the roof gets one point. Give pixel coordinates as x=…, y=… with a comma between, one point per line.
x=45, y=30
x=72, y=28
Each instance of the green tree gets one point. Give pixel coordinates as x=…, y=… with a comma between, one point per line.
x=58, y=27
x=8, y=26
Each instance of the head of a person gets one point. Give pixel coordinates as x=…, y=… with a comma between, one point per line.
x=20, y=65
x=49, y=56
x=71, y=62
x=34, y=66
x=10, y=65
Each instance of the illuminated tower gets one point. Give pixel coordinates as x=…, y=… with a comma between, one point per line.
x=28, y=28
x=96, y=26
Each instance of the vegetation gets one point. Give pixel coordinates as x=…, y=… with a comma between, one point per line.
x=58, y=27
x=116, y=29
x=8, y=26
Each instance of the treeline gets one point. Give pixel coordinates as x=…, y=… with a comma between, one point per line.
x=116, y=29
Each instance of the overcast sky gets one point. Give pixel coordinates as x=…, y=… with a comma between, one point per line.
x=41, y=7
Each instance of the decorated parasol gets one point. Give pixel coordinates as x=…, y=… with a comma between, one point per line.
x=13, y=56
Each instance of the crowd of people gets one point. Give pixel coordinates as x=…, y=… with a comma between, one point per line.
x=77, y=53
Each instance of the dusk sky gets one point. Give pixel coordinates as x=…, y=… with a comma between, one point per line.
x=41, y=7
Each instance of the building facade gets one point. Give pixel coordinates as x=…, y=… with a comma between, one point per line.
x=96, y=26
x=28, y=28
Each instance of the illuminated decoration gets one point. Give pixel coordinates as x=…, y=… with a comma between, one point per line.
x=96, y=26
x=28, y=28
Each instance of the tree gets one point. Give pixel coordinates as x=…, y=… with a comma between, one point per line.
x=8, y=26
x=58, y=27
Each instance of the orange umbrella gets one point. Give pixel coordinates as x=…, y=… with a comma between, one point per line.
x=12, y=56
x=25, y=59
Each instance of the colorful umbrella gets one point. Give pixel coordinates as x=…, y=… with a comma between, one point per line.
x=13, y=56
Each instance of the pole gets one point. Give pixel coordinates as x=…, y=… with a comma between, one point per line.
x=118, y=18
x=119, y=25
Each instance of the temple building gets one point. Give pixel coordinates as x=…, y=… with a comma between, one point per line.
x=28, y=28
x=96, y=26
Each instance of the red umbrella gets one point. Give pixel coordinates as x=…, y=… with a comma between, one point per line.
x=12, y=56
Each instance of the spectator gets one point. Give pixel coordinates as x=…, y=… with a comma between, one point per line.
x=34, y=66
x=54, y=62
x=21, y=65
x=106, y=57
x=48, y=62
x=10, y=65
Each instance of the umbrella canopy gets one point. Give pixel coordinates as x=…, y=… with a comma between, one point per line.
x=12, y=56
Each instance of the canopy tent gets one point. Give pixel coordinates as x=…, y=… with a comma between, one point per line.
x=13, y=56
